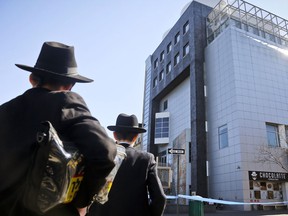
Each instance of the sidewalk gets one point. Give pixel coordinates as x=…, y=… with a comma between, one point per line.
x=240, y=213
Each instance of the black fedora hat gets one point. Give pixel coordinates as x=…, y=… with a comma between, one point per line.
x=56, y=60
x=127, y=123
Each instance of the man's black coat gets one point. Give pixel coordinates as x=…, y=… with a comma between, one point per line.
x=19, y=120
x=136, y=178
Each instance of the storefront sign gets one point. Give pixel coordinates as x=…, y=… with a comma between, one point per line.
x=268, y=176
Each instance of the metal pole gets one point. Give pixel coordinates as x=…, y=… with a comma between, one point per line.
x=177, y=191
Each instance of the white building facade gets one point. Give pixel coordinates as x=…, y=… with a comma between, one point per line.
x=247, y=109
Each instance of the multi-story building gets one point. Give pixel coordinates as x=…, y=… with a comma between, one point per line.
x=217, y=88
x=174, y=109
x=247, y=91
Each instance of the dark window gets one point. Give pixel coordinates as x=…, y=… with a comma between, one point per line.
x=186, y=27
x=168, y=68
x=156, y=63
x=161, y=75
x=177, y=38
x=155, y=82
x=165, y=105
x=162, y=56
x=186, y=49
x=176, y=59
x=169, y=47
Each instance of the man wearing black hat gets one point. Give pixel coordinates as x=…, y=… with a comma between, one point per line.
x=51, y=99
x=136, y=190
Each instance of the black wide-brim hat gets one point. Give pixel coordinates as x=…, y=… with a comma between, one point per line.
x=56, y=60
x=127, y=123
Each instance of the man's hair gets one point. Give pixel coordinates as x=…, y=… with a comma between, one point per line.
x=43, y=80
x=125, y=135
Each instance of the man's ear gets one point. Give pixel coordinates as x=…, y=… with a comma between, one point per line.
x=69, y=87
x=135, y=138
x=33, y=81
x=115, y=135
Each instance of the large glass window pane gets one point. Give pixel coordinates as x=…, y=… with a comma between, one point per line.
x=272, y=135
x=165, y=130
x=165, y=119
x=223, y=136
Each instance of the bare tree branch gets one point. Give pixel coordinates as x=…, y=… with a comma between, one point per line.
x=270, y=155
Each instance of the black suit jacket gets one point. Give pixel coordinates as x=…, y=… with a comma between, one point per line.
x=136, y=178
x=19, y=120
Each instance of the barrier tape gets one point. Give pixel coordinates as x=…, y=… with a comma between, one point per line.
x=209, y=200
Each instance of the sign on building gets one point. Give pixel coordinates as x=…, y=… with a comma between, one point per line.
x=176, y=151
x=268, y=176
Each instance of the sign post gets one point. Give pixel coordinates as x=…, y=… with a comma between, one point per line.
x=178, y=152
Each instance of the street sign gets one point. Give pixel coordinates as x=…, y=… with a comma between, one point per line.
x=176, y=151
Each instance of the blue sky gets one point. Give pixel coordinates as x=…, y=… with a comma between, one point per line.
x=112, y=40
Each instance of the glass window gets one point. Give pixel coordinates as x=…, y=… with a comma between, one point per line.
x=276, y=186
x=158, y=129
x=169, y=47
x=155, y=82
x=235, y=23
x=176, y=59
x=165, y=123
x=156, y=63
x=168, y=68
x=286, y=134
x=186, y=49
x=272, y=135
x=263, y=186
x=161, y=75
x=162, y=158
x=177, y=38
x=165, y=105
x=186, y=27
x=158, y=123
x=165, y=128
x=223, y=136
x=162, y=56
x=251, y=185
x=157, y=134
x=162, y=127
x=257, y=195
x=271, y=37
x=245, y=26
x=270, y=195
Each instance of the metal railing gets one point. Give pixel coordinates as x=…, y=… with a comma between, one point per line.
x=248, y=17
